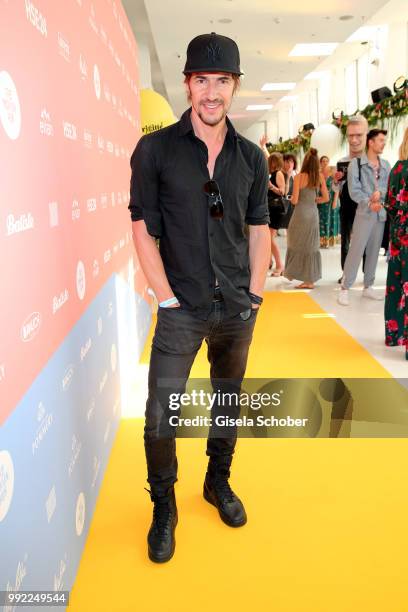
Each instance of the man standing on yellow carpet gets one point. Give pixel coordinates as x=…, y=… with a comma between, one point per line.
x=195, y=185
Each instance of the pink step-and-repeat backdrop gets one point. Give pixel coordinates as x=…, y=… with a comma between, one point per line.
x=73, y=298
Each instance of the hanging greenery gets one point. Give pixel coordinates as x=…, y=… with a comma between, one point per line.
x=292, y=145
x=386, y=114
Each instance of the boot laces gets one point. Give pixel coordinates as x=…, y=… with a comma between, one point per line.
x=161, y=511
x=223, y=489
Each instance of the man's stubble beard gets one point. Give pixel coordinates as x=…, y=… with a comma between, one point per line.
x=215, y=120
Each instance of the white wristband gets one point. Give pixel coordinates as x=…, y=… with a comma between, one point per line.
x=169, y=302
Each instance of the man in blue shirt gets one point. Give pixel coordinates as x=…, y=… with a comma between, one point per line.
x=367, y=181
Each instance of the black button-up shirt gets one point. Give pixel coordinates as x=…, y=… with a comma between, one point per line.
x=169, y=170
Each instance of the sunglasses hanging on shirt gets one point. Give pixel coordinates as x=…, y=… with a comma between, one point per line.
x=214, y=199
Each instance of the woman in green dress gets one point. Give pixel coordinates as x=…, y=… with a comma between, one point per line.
x=328, y=212
x=324, y=209
x=334, y=227
x=396, y=297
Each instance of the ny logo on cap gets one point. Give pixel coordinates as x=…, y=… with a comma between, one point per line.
x=213, y=52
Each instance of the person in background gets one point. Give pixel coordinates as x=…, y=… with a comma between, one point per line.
x=328, y=212
x=325, y=209
x=276, y=191
x=303, y=259
x=334, y=229
x=396, y=297
x=367, y=183
x=357, y=128
x=289, y=171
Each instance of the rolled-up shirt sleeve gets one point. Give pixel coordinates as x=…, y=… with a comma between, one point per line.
x=144, y=188
x=257, y=211
x=354, y=186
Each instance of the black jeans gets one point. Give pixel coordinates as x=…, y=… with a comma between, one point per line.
x=177, y=339
x=346, y=225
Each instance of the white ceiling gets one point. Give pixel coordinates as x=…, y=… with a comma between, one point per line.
x=265, y=30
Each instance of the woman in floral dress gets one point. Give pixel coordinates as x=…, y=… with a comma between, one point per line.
x=396, y=300
x=334, y=229
x=325, y=209
x=328, y=213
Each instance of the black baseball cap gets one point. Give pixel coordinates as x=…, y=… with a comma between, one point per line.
x=212, y=53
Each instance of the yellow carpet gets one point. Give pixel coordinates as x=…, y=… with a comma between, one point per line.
x=327, y=518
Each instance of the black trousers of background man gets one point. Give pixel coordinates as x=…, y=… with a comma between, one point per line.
x=347, y=215
x=177, y=339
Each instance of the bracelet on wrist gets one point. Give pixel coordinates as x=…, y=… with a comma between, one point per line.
x=255, y=299
x=169, y=302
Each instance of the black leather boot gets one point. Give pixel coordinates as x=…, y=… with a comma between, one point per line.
x=160, y=539
x=218, y=492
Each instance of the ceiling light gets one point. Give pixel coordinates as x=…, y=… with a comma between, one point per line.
x=258, y=107
x=278, y=86
x=313, y=49
x=364, y=33
x=346, y=17
x=319, y=74
x=288, y=98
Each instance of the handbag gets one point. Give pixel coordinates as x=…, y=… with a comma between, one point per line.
x=278, y=203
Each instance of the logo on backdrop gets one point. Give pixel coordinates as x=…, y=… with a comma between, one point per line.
x=85, y=349
x=15, y=226
x=80, y=280
x=30, y=327
x=96, y=468
x=46, y=127
x=104, y=36
x=51, y=503
x=76, y=211
x=67, y=378
x=21, y=573
x=36, y=18
x=92, y=19
x=59, y=576
x=63, y=46
x=80, y=514
x=91, y=204
x=10, y=112
x=97, y=82
x=6, y=483
x=76, y=446
x=83, y=68
x=103, y=381
x=59, y=300
x=107, y=432
x=70, y=130
x=90, y=410
x=45, y=421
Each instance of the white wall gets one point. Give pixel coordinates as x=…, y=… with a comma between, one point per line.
x=388, y=59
